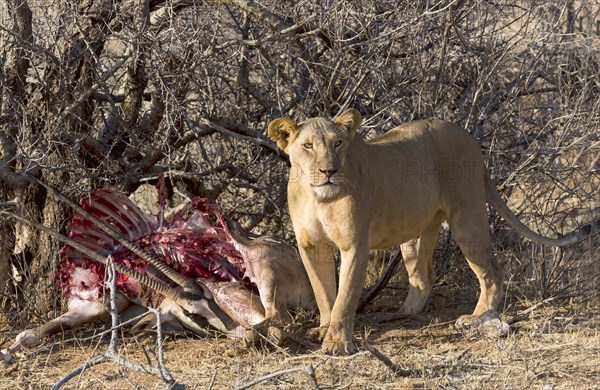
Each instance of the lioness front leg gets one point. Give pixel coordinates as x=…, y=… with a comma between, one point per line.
x=319, y=262
x=353, y=272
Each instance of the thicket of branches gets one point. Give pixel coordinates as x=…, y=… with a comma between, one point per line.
x=106, y=92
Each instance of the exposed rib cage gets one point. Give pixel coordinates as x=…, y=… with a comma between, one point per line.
x=195, y=243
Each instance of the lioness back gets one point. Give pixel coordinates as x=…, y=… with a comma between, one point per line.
x=420, y=169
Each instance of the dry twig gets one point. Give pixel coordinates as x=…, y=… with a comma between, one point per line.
x=307, y=369
x=397, y=370
x=112, y=352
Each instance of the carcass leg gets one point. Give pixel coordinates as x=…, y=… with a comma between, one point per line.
x=80, y=312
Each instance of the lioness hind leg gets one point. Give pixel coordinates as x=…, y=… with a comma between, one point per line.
x=470, y=228
x=418, y=255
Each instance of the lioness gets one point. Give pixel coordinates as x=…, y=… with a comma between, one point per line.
x=395, y=189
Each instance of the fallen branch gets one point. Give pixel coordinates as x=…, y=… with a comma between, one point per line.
x=79, y=370
x=164, y=371
x=386, y=275
x=12, y=203
x=212, y=381
x=397, y=370
x=307, y=369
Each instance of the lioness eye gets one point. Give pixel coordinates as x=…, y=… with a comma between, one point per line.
x=307, y=145
x=338, y=143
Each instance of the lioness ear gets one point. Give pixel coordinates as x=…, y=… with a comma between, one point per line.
x=350, y=119
x=280, y=130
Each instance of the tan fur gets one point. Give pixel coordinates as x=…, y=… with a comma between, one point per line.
x=397, y=189
x=275, y=267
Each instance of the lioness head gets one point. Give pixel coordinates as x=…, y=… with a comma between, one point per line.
x=317, y=149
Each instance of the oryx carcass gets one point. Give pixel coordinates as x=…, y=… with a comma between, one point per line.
x=202, y=275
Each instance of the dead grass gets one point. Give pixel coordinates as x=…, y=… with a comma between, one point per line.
x=557, y=347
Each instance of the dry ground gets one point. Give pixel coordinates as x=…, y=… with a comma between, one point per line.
x=556, y=347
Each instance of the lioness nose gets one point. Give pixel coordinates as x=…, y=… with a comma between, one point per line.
x=329, y=171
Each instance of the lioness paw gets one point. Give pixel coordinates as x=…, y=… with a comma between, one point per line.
x=465, y=322
x=338, y=341
x=338, y=347
x=316, y=334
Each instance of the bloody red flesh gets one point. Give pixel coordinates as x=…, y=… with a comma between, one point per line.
x=195, y=242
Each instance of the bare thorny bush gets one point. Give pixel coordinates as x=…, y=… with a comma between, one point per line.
x=112, y=93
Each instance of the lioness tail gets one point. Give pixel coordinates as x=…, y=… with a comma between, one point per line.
x=493, y=198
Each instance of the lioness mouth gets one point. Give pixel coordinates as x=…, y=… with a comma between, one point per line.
x=327, y=183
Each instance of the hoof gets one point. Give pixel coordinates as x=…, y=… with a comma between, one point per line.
x=276, y=335
x=261, y=337
x=6, y=358
x=251, y=338
x=488, y=324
